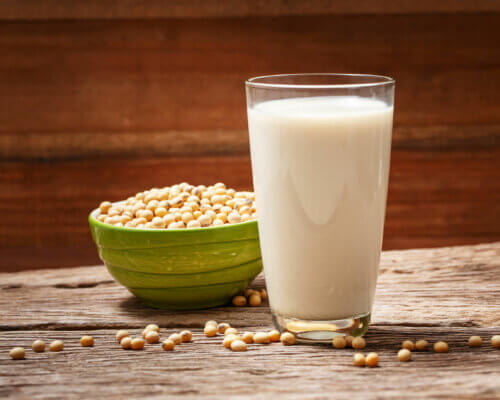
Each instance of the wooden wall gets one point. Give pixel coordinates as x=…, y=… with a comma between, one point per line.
x=97, y=106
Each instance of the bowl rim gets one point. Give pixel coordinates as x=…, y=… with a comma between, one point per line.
x=94, y=221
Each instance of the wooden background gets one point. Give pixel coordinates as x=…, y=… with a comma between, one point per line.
x=99, y=101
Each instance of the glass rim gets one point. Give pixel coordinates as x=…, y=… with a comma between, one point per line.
x=378, y=80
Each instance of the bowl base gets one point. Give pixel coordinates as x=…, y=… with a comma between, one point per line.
x=190, y=298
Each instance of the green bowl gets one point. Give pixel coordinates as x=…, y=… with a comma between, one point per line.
x=180, y=269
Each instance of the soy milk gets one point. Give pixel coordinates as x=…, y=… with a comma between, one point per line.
x=320, y=169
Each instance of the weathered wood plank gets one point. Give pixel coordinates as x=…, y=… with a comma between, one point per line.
x=77, y=89
x=187, y=75
x=433, y=294
x=129, y=9
x=435, y=198
x=464, y=279
x=204, y=369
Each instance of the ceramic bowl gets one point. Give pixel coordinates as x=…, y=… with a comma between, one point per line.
x=180, y=269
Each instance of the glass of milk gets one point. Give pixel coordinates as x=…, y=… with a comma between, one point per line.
x=320, y=147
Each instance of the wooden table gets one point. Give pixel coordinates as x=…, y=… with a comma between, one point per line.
x=437, y=294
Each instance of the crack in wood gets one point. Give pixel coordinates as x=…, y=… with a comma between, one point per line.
x=8, y=287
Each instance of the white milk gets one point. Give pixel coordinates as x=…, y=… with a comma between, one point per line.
x=320, y=169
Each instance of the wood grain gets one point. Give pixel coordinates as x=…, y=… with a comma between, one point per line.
x=187, y=75
x=435, y=198
x=437, y=294
x=129, y=9
x=465, y=279
x=31, y=146
x=99, y=109
x=204, y=369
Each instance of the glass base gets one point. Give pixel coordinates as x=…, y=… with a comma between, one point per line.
x=322, y=331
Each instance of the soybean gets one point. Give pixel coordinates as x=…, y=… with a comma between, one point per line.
x=358, y=343
x=404, y=355
x=371, y=360
x=238, y=345
x=239, y=301
x=121, y=334
x=441, y=347
x=17, y=353
x=274, y=336
x=339, y=342
x=359, y=360
x=38, y=346
x=228, y=340
x=126, y=342
x=137, y=344
x=56, y=345
x=247, y=337
x=288, y=339
x=184, y=204
x=255, y=300
x=152, y=337
x=230, y=331
x=421, y=345
x=87, y=341
x=176, y=338
x=168, y=345
x=221, y=328
x=210, y=330
x=186, y=336
x=475, y=341
x=261, y=338
x=409, y=345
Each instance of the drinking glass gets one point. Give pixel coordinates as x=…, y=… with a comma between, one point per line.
x=320, y=146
